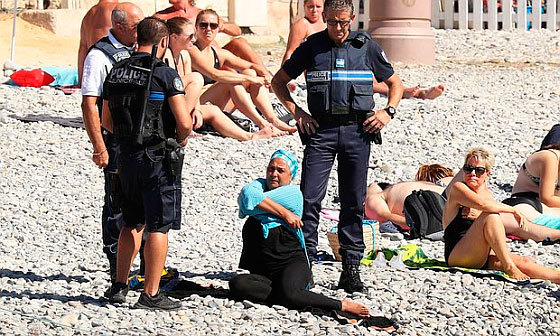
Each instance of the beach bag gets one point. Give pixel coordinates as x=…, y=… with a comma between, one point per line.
x=34, y=78
x=370, y=232
x=423, y=210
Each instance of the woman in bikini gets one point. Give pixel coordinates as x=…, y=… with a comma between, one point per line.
x=313, y=22
x=474, y=231
x=181, y=38
x=247, y=89
x=537, y=182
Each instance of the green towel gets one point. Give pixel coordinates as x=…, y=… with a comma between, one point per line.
x=414, y=257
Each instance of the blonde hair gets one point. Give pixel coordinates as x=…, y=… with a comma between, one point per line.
x=433, y=172
x=481, y=154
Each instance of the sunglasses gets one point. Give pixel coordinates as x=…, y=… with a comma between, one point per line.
x=342, y=23
x=479, y=171
x=205, y=25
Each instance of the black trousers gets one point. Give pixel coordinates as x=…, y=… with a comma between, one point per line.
x=288, y=289
x=351, y=147
x=111, y=222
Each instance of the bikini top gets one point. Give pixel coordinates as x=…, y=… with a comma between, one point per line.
x=537, y=179
x=208, y=80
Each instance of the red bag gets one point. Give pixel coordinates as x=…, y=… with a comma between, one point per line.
x=34, y=78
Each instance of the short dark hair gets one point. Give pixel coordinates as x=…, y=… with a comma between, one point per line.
x=204, y=12
x=339, y=5
x=177, y=24
x=151, y=30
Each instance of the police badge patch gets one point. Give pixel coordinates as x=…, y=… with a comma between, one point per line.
x=384, y=56
x=178, y=84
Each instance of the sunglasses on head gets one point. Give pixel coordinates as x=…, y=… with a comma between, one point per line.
x=479, y=171
x=342, y=23
x=205, y=25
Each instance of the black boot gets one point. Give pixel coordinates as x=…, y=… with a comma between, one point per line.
x=350, y=279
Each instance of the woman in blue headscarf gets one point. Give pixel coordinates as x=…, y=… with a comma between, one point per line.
x=273, y=244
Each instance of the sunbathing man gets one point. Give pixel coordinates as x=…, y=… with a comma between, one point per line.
x=95, y=25
x=238, y=45
x=312, y=23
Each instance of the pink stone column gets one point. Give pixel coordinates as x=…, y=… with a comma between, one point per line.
x=403, y=29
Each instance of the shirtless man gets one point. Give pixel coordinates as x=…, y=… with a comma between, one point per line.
x=238, y=46
x=312, y=23
x=95, y=25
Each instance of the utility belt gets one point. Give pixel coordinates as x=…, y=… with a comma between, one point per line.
x=173, y=152
x=352, y=118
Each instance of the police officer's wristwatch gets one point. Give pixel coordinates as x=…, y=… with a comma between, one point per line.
x=390, y=111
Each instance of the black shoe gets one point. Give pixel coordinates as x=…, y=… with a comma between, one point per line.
x=117, y=292
x=158, y=301
x=350, y=279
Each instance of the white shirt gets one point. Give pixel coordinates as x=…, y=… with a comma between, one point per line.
x=96, y=67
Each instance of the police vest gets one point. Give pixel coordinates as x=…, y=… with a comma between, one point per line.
x=115, y=54
x=135, y=110
x=340, y=81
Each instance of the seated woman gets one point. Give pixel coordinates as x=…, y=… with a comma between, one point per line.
x=537, y=181
x=474, y=232
x=313, y=22
x=181, y=38
x=223, y=87
x=273, y=245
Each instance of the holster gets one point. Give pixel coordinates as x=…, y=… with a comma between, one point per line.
x=374, y=137
x=175, y=156
x=116, y=192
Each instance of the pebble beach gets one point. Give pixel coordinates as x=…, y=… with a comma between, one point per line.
x=502, y=92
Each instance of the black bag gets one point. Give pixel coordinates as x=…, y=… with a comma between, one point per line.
x=423, y=210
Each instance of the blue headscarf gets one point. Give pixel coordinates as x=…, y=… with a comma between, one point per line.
x=290, y=159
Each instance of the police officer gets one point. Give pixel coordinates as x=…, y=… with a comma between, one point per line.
x=114, y=47
x=339, y=65
x=144, y=107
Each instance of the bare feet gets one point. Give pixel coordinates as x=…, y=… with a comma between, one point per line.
x=431, y=93
x=264, y=133
x=278, y=132
x=355, y=308
x=410, y=92
x=514, y=273
x=283, y=126
x=195, y=135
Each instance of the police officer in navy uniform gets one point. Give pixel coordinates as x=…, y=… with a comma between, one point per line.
x=339, y=65
x=144, y=107
x=114, y=47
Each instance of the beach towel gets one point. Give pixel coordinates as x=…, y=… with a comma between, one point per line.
x=62, y=76
x=413, y=257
